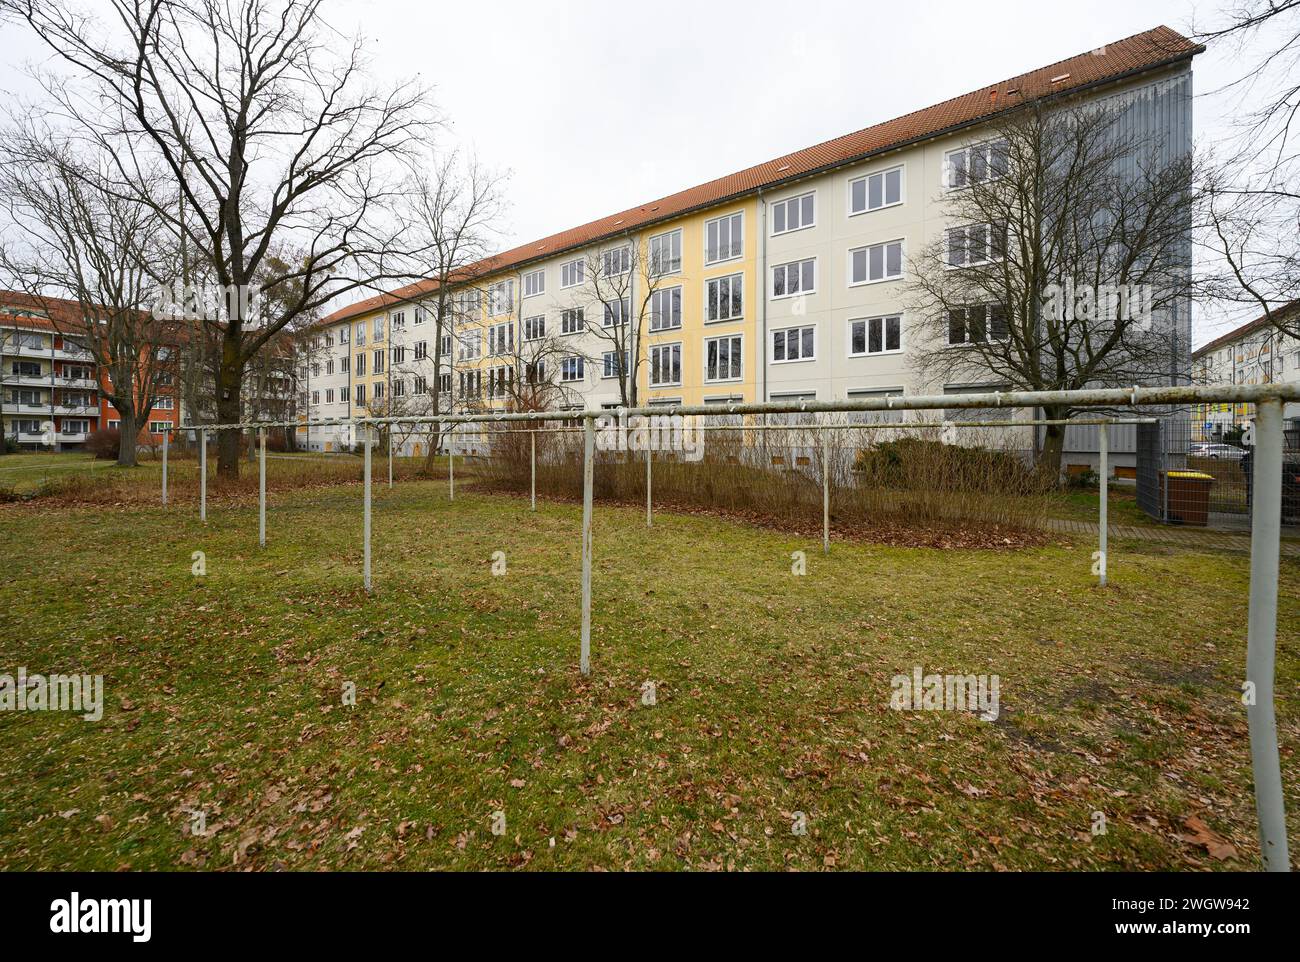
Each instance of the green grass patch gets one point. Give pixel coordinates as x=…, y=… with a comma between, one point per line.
x=224, y=694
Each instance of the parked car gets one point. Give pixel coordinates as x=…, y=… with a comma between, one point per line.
x=1215, y=451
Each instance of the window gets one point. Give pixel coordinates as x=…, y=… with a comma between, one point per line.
x=535, y=328
x=879, y=262
x=572, y=273
x=343, y=394
x=722, y=358
x=399, y=320
x=361, y=395
x=377, y=389
x=26, y=426
x=724, y=300
x=399, y=353
x=76, y=427
x=421, y=350
x=446, y=345
x=571, y=321
x=875, y=417
x=444, y=383
x=615, y=262
x=875, y=191
x=361, y=365
x=797, y=277
x=379, y=329
x=329, y=366
x=379, y=361
x=471, y=383
x=617, y=312
x=160, y=403
x=469, y=303
x=876, y=335
x=315, y=397
x=471, y=345
x=534, y=283
x=421, y=385
x=329, y=395
x=977, y=324
x=976, y=244
x=345, y=365
x=793, y=214
x=499, y=381
x=501, y=298
x=794, y=344
x=666, y=364
x=666, y=253
x=611, y=366
x=399, y=388
x=155, y=427
x=501, y=338
x=724, y=238
x=975, y=164
x=343, y=334
x=421, y=315
x=361, y=333
x=666, y=309
x=535, y=371
x=571, y=369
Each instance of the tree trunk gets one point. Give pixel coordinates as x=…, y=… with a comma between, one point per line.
x=229, y=377
x=128, y=429
x=1049, y=457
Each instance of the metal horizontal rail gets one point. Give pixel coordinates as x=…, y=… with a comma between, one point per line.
x=1098, y=397
x=856, y=426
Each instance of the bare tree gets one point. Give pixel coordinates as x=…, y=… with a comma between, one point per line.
x=1251, y=189
x=1068, y=267
x=624, y=298
x=73, y=238
x=269, y=134
x=455, y=208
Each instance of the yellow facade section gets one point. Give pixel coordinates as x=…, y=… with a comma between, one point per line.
x=697, y=329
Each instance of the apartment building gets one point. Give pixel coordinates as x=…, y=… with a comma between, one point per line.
x=1254, y=353
x=782, y=281
x=49, y=382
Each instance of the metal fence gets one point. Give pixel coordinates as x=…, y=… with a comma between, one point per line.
x=1265, y=502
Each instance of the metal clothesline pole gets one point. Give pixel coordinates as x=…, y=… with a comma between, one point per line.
x=1104, y=508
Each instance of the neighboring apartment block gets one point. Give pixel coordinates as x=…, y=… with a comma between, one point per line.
x=49, y=382
x=782, y=281
x=1254, y=353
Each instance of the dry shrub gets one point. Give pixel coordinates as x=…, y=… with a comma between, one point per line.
x=777, y=474
x=103, y=443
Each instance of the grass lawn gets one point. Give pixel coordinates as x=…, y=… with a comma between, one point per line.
x=224, y=695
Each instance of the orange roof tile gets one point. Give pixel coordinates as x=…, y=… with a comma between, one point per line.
x=1154, y=48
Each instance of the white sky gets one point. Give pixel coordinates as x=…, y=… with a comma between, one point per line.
x=596, y=105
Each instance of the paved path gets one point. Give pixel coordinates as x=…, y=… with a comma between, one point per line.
x=1187, y=537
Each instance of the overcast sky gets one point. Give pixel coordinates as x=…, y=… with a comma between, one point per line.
x=594, y=106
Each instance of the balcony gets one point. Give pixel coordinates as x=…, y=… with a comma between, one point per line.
x=69, y=353
x=76, y=411
x=26, y=380
x=17, y=408
x=9, y=349
x=81, y=383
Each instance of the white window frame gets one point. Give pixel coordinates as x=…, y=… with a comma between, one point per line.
x=535, y=282
x=650, y=374
x=572, y=369
x=784, y=203
x=501, y=297
x=884, y=247
x=866, y=335
x=655, y=313
x=495, y=338
x=771, y=344
x=865, y=180
x=984, y=147
x=785, y=266
x=967, y=342
x=966, y=230
x=569, y=315
x=734, y=281
x=674, y=239
x=740, y=341
x=717, y=220
x=605, y=364
x=624, y=257
x=573, y=273
x=534, y=327
x=607, y=318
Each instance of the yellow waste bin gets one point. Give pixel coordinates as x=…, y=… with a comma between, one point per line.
x=1187, y=497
